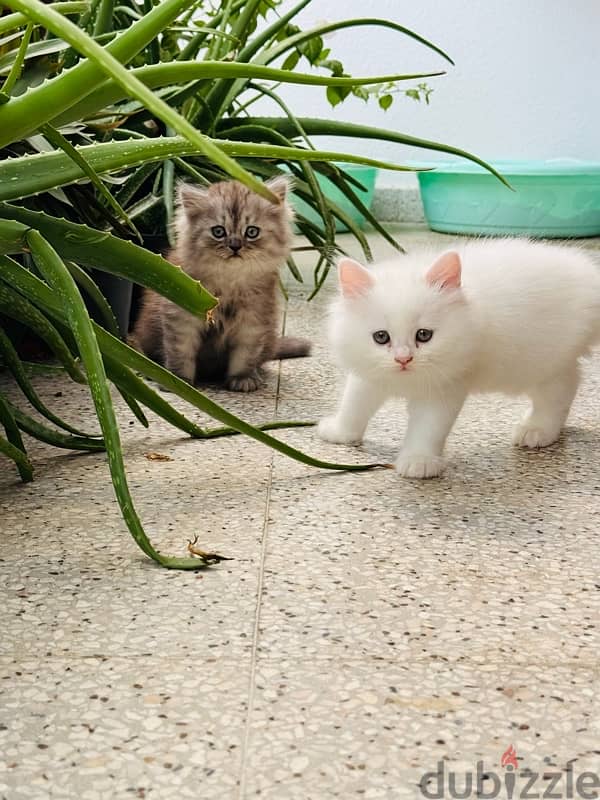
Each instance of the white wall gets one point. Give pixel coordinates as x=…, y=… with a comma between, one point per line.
x=526, y=84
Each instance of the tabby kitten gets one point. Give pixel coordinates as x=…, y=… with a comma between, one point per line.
x=234, y=242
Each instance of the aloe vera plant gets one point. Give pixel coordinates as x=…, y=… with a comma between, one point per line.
x=102, y=107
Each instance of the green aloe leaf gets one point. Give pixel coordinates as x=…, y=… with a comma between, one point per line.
x=22, y=462
x=365, y=211
x=13, y=435
x=174, y=73
x=219, y=47
x=134, y=406
x=58, y=276
x=56, y=139
x=45, y=48
x=168, y=196
x=270, y=32
x=27, y=175
x=40, y=104
x=284, y=424
x=345, y=219
x=12, y=21
x=339, y=179
x=209, y=29
x=153, y=48
x=111, y=67
x=307, y=169
x=99, y=249
x=15, y=366
x=320, y=30
x=104, y=17
x=45, y=434
x=17, y=307
x=85, y=282
x=12, y=235
x=327, y=127
x=125, y=378
x=17, y=65
x=247, y=17
x=134, y=182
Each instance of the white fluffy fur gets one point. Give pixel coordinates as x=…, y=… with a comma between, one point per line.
x=523, y=315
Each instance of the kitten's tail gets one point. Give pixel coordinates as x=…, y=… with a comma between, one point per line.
x=292, y=347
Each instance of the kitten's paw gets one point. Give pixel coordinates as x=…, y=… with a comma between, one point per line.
x=244, y=383
x=534, y=436
x=414, y=465
x=330, y=430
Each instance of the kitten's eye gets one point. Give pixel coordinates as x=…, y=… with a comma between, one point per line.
x=381, y=337
x=218, y=231
x=423, y=335
x=252, y=232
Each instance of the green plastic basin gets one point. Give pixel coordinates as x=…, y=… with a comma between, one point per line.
x=558, y=198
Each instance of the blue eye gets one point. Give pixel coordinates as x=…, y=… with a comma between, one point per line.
x=381, y=337
x=423, y=335
x=252, y=232
x=218, y=231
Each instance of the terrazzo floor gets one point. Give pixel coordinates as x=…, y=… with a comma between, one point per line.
x=369, y=630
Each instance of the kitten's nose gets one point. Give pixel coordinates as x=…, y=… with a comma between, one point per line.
x=403, y=360
x=234, y=244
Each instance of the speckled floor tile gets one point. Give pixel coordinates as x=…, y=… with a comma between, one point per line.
x=99, y=609
x=66, y=539
x=398, y=572
x=110, y=729
x=373, y=729
x=367, y=629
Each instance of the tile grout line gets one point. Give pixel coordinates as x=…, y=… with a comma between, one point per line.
x=254, y=652
x=259, y=591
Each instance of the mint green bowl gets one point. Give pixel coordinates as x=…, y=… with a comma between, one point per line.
x=558, y=198
x=365, y=175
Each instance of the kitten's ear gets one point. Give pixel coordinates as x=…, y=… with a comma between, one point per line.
x=445, y=271
x=192, y=198
x=354, y=279
x=280, y=185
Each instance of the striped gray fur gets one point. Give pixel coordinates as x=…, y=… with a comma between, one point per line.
x=241, y=271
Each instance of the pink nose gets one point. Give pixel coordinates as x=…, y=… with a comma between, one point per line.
x=403, y=360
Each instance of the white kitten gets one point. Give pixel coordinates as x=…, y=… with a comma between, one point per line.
x=509, y=316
